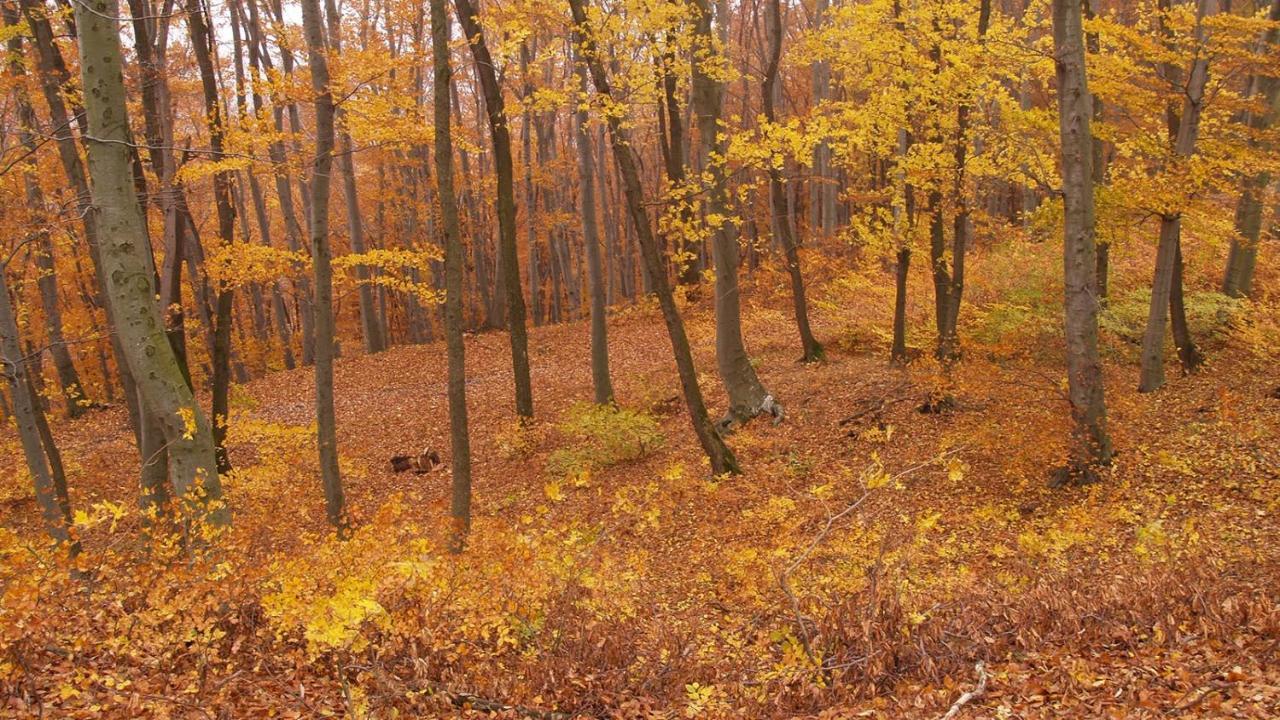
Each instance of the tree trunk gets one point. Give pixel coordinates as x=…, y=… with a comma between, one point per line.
x=1243, y=258
x=221, y=359
x=688, y=264
x=54, y=77
x=260, y=59
x=811, y=351
x=1168, y=251
x=747, y=395
x=948, y=340
x=150, y=38
x=1099, y=175
x=600, y=381
x=372, y=331
x=719, y=455
x=129, y=280
x=68, y=377
x=460, y=506
x=1188, y=353
x=56, y=514
x=509, y=261
x=1090, y=445
x=822, y=191
x=326, y=422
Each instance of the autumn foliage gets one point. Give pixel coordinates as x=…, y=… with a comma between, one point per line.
x=915, y=532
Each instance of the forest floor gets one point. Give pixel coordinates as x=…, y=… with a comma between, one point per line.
x=869, y=558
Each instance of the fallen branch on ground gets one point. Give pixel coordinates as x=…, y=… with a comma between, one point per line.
x=977, y=692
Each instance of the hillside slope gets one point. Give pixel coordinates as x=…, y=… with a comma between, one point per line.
x=869, y=557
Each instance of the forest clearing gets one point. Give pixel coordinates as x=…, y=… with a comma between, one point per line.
x=640, y=359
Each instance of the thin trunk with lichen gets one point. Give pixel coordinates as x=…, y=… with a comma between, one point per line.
x=454, y=259
x=321, y=259
x=129, y=280
x=720, y=456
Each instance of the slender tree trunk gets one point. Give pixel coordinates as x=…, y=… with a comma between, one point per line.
x=688, y=262
x=372, y=331
x=902, y=266
x=488, y=292
x=54, y=78
x=56, y=514
x=68, y=377
x=822, y=191
x=150, y=38
x=500, y=136
x=1030, y=201
x=221, y=360
x=747, y=395
x=1243, y=258
x=460, y=506
x=536, y=311
x=600, y=381
x=949, y=282
x=56, y=469
x=904, y=217
x=1168, y=252
x=260, y=60
x=1090, y=444
x=326, y=422
x=129, y=280
x=719, y=455
x=1093, y=45
x=810, y=349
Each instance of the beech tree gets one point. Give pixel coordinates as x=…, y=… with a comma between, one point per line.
x=1263, y=89
x=222, y=179
x=747, y=395
x=600, y=381
x=68, y=376
x=500, y=139
x=454, y=259
x=48, y=480
x=1090, y=445
x=1166, y=287
x=719, y=454
x=810, y=349
x=322, y=166
x=126, y=272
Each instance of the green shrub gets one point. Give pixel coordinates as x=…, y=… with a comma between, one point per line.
x=1003, y=325
x=1209, y=315
x=603, y=436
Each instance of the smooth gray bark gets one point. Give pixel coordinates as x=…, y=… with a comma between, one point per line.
x=600, y=381
x=201, y=39
x=129, y=279
x=68, y=377
x=810, y=349
x=14, y=367
x=455, y=258
x=322, y=167
x=747, y=395
x=720, y=456
x=1168, y=251
x=372, y=331
x=1243, y=258
x=1090, y=444
x=509, y=261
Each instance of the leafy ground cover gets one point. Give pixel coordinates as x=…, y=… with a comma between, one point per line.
x=869, y=558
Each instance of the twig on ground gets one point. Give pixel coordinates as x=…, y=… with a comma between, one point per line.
x=975, y=693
